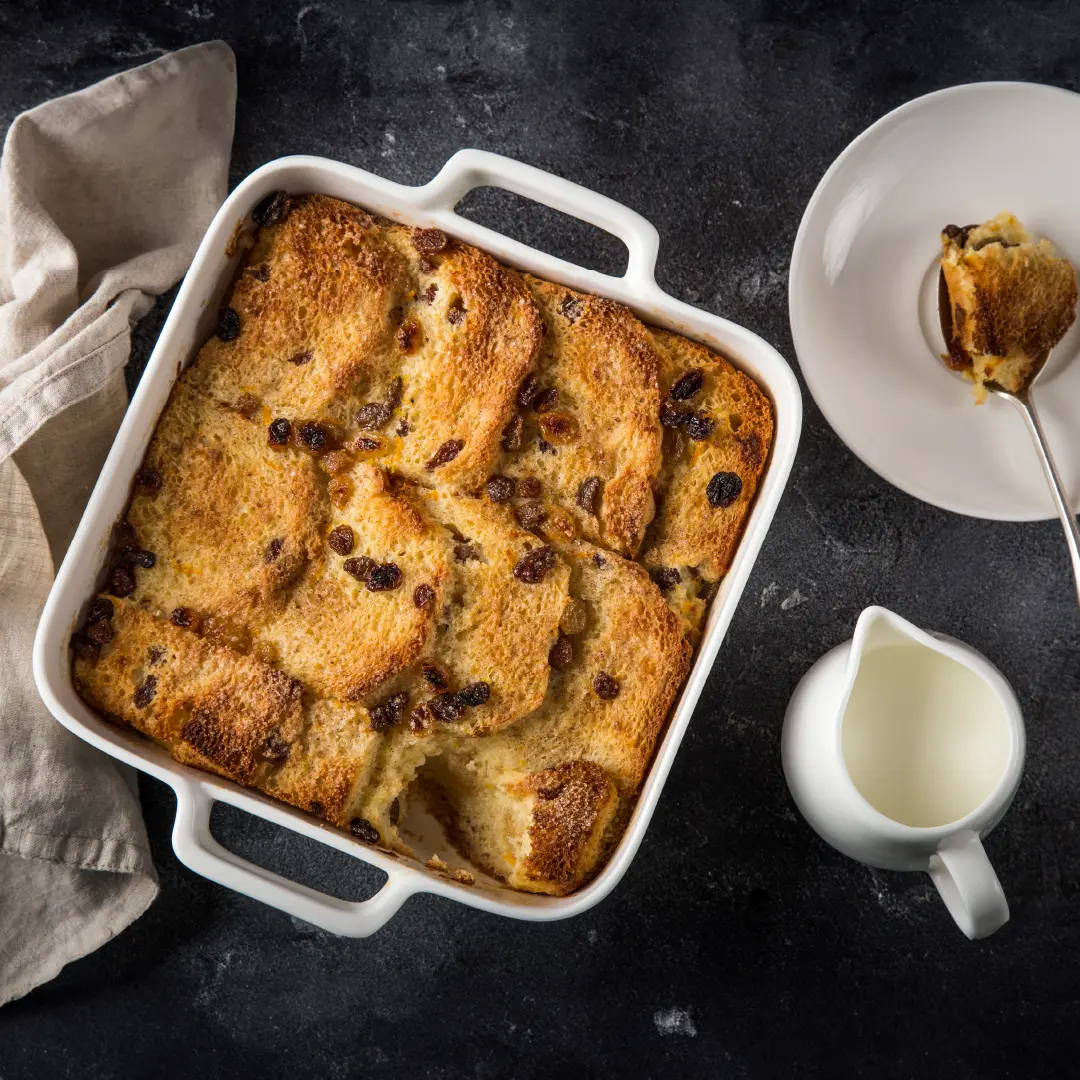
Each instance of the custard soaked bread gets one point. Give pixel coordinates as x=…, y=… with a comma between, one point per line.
x=380, y=550
x=1011, y=298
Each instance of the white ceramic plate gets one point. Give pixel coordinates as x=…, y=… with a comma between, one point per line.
x=863, y=293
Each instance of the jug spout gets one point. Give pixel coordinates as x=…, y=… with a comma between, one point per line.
x=879, y=628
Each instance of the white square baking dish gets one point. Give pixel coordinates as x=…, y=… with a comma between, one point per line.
x=191, y=322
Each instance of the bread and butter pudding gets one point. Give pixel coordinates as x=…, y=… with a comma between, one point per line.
x=415, y=526
x=1011, y=300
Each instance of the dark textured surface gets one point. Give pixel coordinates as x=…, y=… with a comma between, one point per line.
x=738, y=945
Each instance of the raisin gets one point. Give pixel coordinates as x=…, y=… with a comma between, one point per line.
x=533, y=567
x=247, y=405
x=571, y=307
x=100, y=631
x=435, y=677
x=122, y=582
x=279, y=432
x=316, y=807
x=466, y=553
x=474, y=694
x=394, y=813
x=672, y=416
x=599, y=561
x=261, y=273
x=403, y=428
x=123, y=534
x=455, y=313
x=529, y=391
x=574, y=618
x=148, y=480
x=145, y=694
x=85, y=649
x=447, y=707
x=273, y=550
x=561, y=655
x=530, y=515
x=274, y=748
x=419, y=719
x=446, y=453
x=723, y=489
x=362, y=829
x=407, y=335
x=337, y=461
x=341, y=540
x=686, y=386
x=145, y=559
x=313, y=436
x=228, y=326
x=423, y=595
x=384, y=577
x=511, y=439
x=431, y=291
x=366, y=444
x=666, y=577
x=386, y=715
x=500, y=489
x=101, y=609
x=181, y=617
x=394, y=392
x=587, y=492
x=301, y=358
x=429, y=241
x=154, y=654
x=272, y=210
x=372, y=416
x=359, y=568
x=529, y=487
x=700, y=426
x=426, y=266
x=546, y=400
x=544, y=446
x=559, y=428
x=606, y=687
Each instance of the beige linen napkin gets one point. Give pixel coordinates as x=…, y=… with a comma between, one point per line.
x=104, y=196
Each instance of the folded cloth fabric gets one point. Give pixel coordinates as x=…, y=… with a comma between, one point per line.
x=104, y=196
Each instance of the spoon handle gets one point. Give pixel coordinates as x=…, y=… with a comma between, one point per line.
x=1068, y=520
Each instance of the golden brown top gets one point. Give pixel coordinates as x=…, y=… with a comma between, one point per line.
x=380, y=544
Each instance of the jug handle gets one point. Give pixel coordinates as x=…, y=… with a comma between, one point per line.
x=968, y=885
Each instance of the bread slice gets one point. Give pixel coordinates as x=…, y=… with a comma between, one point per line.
x=497, y=629
x=472, y=333
x=603, y=427
x=210, y=706
x=1012, y=300
x=318, y=300
x=335, y=633
x=605, y=743
x=693, y=537
x=230, y=521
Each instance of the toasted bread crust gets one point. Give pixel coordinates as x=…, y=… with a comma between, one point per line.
x=688, y=531
x=330, y=616
x=600, y=360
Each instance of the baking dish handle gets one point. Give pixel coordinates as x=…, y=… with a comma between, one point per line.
x=197, y=849
x=469, y=169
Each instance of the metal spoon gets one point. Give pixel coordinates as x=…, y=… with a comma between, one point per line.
x=1023, y=400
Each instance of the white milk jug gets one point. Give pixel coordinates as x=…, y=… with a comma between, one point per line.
x=902, y=749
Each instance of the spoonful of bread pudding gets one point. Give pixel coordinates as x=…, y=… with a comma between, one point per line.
x=1005, y=300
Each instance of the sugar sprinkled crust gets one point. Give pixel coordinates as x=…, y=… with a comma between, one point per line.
x=379, y=547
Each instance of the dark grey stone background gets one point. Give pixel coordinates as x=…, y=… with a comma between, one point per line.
x=780, y=957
